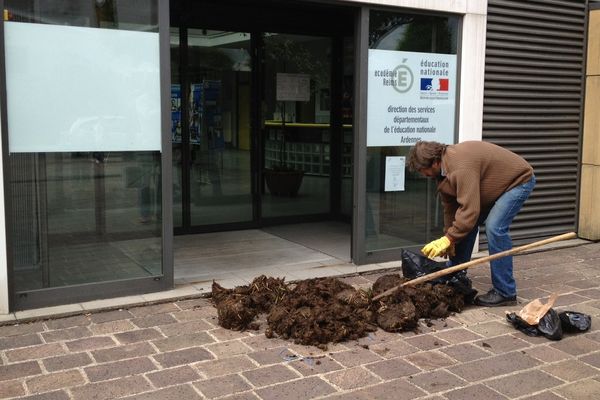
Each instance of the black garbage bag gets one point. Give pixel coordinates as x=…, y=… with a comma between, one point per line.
x=573, y=321
x=416, y=265
x=522, y=325
x=550, y=325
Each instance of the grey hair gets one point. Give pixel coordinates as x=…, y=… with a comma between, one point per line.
x=424, y=154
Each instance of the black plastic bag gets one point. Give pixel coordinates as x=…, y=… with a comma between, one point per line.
x=522, y=325
x=573, y=321
x=550, y=325
x=416, y=265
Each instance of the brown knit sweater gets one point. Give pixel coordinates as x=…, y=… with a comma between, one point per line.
x=477, y=173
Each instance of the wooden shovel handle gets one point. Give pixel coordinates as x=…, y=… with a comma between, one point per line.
x=472, y=263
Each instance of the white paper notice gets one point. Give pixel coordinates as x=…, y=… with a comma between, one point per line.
x=394, y=174
x=293, y=87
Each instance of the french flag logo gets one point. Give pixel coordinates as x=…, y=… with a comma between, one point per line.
x=426, y=84
x=435, y=84
x=443, y=85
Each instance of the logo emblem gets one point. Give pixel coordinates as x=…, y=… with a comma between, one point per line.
x=404, y=78
x=434, y=84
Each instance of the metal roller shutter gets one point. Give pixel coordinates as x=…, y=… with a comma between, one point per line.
x=533, y=103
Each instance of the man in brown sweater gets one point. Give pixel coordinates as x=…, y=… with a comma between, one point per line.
x=478, y=182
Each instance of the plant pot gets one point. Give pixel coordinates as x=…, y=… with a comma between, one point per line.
x=284, y=182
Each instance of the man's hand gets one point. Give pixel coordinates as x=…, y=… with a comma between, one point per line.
x=450, y=251
x=437, y=247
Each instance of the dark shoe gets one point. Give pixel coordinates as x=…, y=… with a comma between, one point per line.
x=495, y=299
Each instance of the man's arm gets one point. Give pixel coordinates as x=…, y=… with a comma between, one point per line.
x=450, y=206
x=467, y=183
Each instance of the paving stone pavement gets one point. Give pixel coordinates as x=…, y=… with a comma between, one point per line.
x=176, y=350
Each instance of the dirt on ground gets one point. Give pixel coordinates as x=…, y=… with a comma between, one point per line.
x=325, y=310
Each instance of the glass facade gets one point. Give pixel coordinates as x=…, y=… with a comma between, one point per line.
x=85, y=134
x=85, y=187
x=408, y=213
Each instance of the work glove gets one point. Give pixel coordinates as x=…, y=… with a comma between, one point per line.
x=437, y=247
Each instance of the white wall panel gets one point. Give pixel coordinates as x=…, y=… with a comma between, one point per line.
x=472, y=73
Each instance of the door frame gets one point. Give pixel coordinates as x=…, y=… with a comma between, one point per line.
x=209, y=15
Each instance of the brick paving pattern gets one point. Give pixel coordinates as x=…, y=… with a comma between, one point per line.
x=176, y=350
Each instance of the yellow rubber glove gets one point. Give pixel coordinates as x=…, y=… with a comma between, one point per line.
x=437, y=247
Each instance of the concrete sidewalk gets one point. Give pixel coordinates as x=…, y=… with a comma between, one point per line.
x=176, y=350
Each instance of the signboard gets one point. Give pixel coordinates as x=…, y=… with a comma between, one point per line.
x=412, y=97
x=293, y=87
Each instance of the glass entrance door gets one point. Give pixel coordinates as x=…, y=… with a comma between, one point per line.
x=296, y=125
x=211, y=130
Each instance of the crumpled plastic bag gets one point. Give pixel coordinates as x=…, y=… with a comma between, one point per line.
x=523, y=326
x=573, y=321
x=416, y=265
x=533, y=311
x=550, y=325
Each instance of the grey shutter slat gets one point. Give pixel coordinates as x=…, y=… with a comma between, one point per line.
x=553, y=41
x=538, y=7
x=560, y=35
x=515, y=94
x=532, y=103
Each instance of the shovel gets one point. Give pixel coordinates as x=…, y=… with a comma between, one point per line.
x=472, y=263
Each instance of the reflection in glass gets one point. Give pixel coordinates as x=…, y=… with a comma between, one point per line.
x=219, y=65
x=85, y=217
x=139, y=15
x=414, y=216
x=348, y=132
x=176, y=131
x=418, y=33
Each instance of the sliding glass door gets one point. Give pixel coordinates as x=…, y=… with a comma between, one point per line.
x=211, y=131
x=296, y=125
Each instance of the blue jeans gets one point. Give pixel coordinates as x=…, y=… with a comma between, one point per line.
x=497, y=224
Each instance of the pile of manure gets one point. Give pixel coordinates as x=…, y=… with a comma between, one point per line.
x=326, y=310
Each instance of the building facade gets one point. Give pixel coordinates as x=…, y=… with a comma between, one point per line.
x=125, y=123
